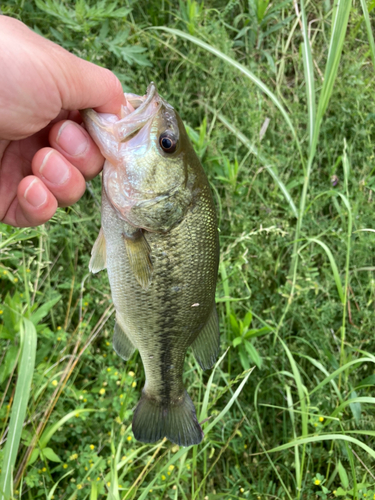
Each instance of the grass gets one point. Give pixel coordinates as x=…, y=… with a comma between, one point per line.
x=278, y=100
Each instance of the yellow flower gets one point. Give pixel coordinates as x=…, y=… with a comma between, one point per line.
x=44, y=469
x=121, y=396
x=171, y=467
x=65, y=466
x=98, y=478
x=108, y=369
x=134, y=384
x=131, y=374
x=58, y=339
x=86, y=468
x=92, y=447
x=77, y=415
x=108, y=484
x=116, y=373
x=119, y=486
x=85, y=303
x=4, y=272
x=89, y=478
x=317, y=482
x=107, y=343
x=102, y=391
x=241, y=490
x=84, y=400
x=27, y=270
x=54, y=382
x=321, y=419
x=129, y=438
x=168, y=473
x=245, y=446
x=315, y=425
x=74, y=456
x=123, y=458
x=59, y=328
x=79, y=486
x=16, y=280
x=104, y=355
x=163, y=478
x=1, y=312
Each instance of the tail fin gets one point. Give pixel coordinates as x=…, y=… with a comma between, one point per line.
x=177, y=422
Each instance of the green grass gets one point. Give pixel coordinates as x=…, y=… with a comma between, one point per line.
x=280, y=109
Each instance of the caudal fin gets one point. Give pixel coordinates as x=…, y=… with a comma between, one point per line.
x=177, y=422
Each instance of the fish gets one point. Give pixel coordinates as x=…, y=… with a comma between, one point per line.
x=159, y=243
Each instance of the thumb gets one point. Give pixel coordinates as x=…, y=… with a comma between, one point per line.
x=83, y=84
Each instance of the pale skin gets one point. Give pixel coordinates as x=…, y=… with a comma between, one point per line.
x=45, y=154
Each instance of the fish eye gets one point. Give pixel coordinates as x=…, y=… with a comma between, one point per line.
x=168, y=142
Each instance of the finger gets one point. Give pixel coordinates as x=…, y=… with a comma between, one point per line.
x=83, y=85
x=62, y=179
x=75, y=144
x=34, y=204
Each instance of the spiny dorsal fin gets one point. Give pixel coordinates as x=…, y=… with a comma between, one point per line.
x=206, y=346
x=98, y=259
x=121, y=342
x=139, y=251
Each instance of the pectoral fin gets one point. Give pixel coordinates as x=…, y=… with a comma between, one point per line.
x=121, y=343
x=139, y=253
x=98, y=259
x=206, y=346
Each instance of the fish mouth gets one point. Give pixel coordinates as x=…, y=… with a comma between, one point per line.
x=137, y=112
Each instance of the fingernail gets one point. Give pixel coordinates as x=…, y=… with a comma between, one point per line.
x=54, y=169
x=36, y=193
x=72, y=139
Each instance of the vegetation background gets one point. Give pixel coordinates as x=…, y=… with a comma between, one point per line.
x=278, y=98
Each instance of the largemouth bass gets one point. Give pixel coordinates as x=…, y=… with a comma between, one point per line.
x=159, y=243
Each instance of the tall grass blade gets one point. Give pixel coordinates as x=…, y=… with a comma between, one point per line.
x=238, y=66
x=324, y=437
x=340, y=23
x=25, y=376
x=369, y=30
x=228, y=405
x=245, y=141
x=302, y=394
x=335, y=270
x=309, y=75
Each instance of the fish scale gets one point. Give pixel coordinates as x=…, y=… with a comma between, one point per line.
x=161, y=255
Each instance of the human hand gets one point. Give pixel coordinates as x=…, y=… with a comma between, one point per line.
x=45, y=155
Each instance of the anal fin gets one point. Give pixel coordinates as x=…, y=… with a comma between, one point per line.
x=121, y=343
x=139, y=253
x=98, y=259
x=207, y=345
